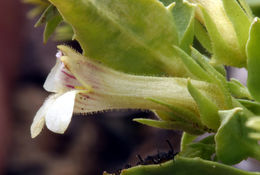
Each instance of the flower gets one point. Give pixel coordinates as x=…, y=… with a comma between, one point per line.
x=82, y=86
x=63, y=84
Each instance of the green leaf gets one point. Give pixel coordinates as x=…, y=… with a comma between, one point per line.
x=204, y=62
x=239, y=19
x=63, y=32
x=214, y=69
x=253, y=62
x=195, y=69
x=51, y=18
x=186, y=139
x=238, y=90
x=232, y=141
x=204, y=149
x=180, y=111
x=253, y=106
x=134, y=36
x=186, y=166
x=168, y=116
x=50, y=27
x=208, y=110
x=217, y=78
x=237, y=104
x=244, y=4
x=183, y=13
x=221, y=69
x=172, y=125
x=203, y=36
x=47, y=15
x=226, y=49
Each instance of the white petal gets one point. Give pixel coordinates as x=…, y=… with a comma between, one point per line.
x=39, y=119
x=59, y=114
x=60, y=79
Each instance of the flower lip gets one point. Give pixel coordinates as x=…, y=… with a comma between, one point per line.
x=59, y=113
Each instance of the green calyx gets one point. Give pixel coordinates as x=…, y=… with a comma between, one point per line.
x=227, y=27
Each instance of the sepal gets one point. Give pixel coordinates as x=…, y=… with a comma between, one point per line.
x=233, y=143
x=171, y=125
x=227, y=25
x=208, y=109
x=253, y=62
x=184, y=13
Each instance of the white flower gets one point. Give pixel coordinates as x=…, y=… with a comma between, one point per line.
x=55, y=106
x=81, y=86
x=57, y=110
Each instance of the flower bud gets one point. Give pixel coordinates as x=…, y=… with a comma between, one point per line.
x=227, y=24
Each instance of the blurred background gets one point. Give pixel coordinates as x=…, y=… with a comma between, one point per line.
x=92, y=144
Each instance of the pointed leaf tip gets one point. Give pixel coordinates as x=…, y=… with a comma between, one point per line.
x=208, y=110
x=233, y=143
x=171, y=125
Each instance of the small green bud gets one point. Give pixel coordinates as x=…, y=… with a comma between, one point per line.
x=228, y=26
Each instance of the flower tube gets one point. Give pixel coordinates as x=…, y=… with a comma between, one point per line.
x=82, y=86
